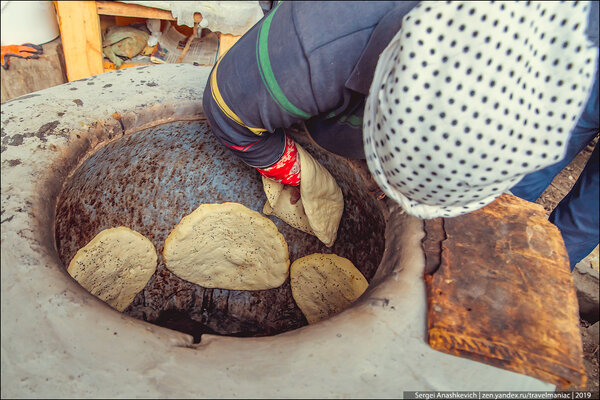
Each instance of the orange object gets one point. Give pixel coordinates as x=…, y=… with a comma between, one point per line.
x=126, y=21
x=109, y=66
x=183, y=29
x=26, y=50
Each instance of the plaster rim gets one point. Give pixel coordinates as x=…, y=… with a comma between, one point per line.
x=380, y=209
x=352, y=379
x=91, y=140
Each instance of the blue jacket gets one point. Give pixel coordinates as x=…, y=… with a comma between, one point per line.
x=309, y=62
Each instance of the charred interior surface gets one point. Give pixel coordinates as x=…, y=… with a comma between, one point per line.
x=149, y=180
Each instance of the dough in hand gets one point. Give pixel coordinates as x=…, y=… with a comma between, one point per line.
x=228, y=246
x=325, y=284
x=292, y=214
x=321, y=205
x=115, y=265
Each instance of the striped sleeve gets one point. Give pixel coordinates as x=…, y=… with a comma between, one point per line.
x=256, y=89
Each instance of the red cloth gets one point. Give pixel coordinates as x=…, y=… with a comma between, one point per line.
x=287, y=169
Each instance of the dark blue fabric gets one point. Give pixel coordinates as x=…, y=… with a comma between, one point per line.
x=314, y=48
x=384, y=32
x=337, y=134
x=592, y=30
x=324, y=56
x=577, y=215
x=242, y=88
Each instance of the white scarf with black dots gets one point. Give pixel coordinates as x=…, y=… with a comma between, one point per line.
x=469, y=97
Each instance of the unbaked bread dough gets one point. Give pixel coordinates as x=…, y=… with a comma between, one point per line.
x=292, y=214
x=321, y=204
x=228, y=246
x=115, y=265
x=325, y=284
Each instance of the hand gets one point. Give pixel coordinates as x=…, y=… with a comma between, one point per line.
x=295, y=195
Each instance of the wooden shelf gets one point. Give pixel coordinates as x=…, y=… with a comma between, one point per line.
x=136, y=10
x=81, y=36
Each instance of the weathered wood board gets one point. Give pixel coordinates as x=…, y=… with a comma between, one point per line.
x=502, y=292
x=30, y=75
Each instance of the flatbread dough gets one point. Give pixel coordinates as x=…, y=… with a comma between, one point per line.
x=321, y=204
x=325, y=284
x=293, y=214
x=228, y=246
x=115, y=265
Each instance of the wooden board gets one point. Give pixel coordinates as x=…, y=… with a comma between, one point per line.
x=226, y=41
x=25, y=76
x=81, y=38
x=135, y=10
x=503, y=292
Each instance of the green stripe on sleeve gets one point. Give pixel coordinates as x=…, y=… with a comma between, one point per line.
x=266, y=71
x=351, y=120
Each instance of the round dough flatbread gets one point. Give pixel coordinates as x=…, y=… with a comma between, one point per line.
x=228, y=246
x=115, y=265
x=325, y=284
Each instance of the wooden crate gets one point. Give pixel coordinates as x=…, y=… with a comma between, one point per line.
x=29, y=75
x=80, y=29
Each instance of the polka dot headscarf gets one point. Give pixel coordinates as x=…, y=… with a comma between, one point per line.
x=471, y=96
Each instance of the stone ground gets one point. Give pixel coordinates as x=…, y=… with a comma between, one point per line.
x=589, y=329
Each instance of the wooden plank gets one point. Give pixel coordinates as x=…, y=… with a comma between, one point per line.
x=125, y=21
x=136, y=10
x=81, y=38
x=226, y=41
x=503, y=294
x=25, y=76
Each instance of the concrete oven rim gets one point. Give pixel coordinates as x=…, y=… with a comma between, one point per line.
x=81, y=143
x=51, y=326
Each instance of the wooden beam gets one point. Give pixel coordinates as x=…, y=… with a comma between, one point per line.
x=81, y=38
x=136, y=10
x=29, y=75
